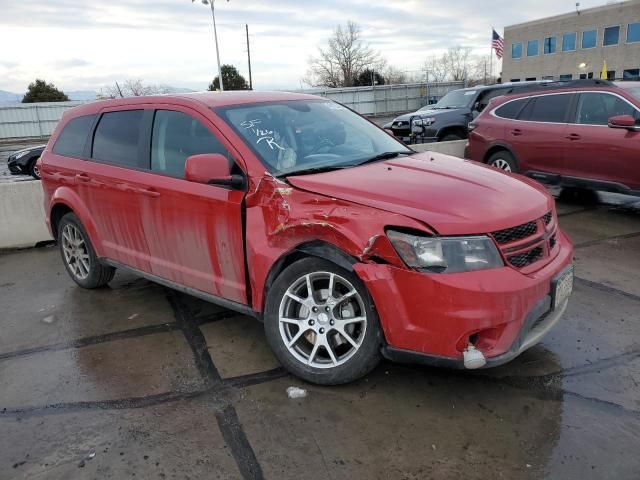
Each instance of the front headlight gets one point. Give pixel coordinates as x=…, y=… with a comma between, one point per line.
x=21, y=154
x=446, y=254
x=424, y=122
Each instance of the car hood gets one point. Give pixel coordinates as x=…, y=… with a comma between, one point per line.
x=451, y=195
x=29, y=149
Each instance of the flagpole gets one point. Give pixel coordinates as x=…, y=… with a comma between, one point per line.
x=491, y=56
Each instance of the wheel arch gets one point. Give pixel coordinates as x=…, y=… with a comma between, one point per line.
x=497, y=147
x=459, y=130
x=315, y=248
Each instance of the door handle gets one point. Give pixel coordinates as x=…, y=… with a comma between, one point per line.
x=83, y=177
x=573, y=136
x=149, y=192
x=516, y=132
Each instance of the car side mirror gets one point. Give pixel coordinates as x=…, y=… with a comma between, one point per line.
x=624, y=121
x=212, y=169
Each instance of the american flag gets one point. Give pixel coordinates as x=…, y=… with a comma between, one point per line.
x=497, y=43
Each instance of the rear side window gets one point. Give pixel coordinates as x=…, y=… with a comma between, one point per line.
x=71, y=141
x=547, y=108
x=117, y=136
x=511, y=109
x=177, y=136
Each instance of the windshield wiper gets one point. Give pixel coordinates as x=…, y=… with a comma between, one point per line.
x=385, y=156
x=310, y=170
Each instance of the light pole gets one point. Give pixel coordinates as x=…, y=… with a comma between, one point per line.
x=215, y=37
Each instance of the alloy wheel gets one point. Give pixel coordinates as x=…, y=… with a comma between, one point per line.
x=501, y=164
x=322, y=320
x=75, y=251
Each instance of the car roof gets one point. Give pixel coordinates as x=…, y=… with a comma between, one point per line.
x=206, y=99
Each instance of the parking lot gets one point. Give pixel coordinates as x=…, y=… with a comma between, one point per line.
x=137, y=380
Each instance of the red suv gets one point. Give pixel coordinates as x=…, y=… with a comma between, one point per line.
x=296, y=210
x=585, y=134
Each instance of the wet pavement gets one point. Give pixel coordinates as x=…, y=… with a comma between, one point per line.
x=135, y=380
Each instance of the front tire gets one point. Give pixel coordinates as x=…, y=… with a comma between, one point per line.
x=78, y=255
x=503, y=160
x=34, y=171
x=320, y=322
x=451, y=137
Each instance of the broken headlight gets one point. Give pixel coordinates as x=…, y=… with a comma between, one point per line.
x=446, y=254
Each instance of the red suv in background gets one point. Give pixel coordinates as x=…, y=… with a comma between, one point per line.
x=301, y=213
x=584, y=134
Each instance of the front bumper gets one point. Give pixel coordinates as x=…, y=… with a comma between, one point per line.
x=431, y=318
x=14, y=167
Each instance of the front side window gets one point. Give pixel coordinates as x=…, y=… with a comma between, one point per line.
x=589, y=39
x=532, y=48
x=611, y=36
x=568, y=42
x=598, y=108
x=292, y=136
x=71, y=141
x=117, y=137
x=516, y=50
x=177, y=136
x=547, y=108
x=633, y=32
x=549, y=45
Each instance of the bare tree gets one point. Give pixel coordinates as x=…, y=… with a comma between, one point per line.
x=343, y=59
x=392, y=76
x=456, y=64
x=132, y=88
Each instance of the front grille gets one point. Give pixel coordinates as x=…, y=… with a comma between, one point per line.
x=515, y=233
x=547, y=218
x=521, y=260
x=552, y=241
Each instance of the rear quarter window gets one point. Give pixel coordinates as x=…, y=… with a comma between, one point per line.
x=117, y=137
x=511, y=109
x=72, y=139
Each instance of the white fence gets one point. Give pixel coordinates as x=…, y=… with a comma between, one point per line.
x=31, y=120
x=388, y=99
x=38, y=120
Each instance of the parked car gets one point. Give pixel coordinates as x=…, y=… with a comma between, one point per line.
x=23, y=162
x=448, y=119
x=584, y=135
x=299, y=212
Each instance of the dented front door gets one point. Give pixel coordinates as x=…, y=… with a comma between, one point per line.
x=193, y=231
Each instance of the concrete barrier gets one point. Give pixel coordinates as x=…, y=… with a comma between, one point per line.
x=22, y=215
x=455, y=148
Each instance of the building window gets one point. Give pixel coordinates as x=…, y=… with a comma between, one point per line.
x=583, y=76
x=611, y=36
x=589, y=39
x=516, y=50
x=633, y=33
x=530, y=79
x=568, y=42
x=532, y=48
x=514, y=80
x=549, y=45
x=548, y=77
x=590, y=75
x=631, y=74
x=566, y=76
x=611, y=75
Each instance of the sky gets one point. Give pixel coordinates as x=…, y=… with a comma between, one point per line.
x=88, y=45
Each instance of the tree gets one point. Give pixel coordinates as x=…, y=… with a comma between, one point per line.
x=41, y=91
x=132, y=87
x=393, y=76
x=455, y=64
x=343, y=59
x=231, y=78
x=368, y=77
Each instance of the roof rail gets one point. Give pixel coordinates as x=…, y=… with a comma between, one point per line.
x=558, y=84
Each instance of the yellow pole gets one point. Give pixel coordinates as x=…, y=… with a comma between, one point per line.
x=603, y=74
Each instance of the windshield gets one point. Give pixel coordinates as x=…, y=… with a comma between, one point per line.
x=299, y=135
x=454, y=99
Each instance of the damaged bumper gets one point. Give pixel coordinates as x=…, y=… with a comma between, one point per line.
x=432, y=319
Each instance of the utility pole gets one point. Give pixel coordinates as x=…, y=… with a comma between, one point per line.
x=246, y=26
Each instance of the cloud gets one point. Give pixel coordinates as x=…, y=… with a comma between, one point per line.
x=171, y=41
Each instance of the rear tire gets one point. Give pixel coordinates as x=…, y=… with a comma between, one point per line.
x=329, y=337
x=34, y=171
x=78, y=255
x=503, y=160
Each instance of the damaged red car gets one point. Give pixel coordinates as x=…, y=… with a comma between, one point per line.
x=348, y=245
